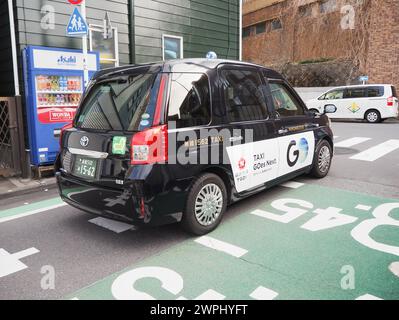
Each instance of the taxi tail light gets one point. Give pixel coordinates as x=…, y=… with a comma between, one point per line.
x=150, y=146
x=63, y=129
x=391, y=101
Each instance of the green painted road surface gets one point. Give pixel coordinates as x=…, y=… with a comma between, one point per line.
x=30, y=209
x=290, y=247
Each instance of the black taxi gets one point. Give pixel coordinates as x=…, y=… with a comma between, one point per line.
x=180, y=141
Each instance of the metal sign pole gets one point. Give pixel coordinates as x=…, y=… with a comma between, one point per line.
x=85, y=50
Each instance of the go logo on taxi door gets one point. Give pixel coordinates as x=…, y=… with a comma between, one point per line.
x=297, y=152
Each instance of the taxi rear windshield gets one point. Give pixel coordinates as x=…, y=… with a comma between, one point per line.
x=120, y=104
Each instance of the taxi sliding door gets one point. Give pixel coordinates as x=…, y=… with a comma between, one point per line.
x=252, y=147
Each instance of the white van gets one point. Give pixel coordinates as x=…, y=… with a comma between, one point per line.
x=373, y=103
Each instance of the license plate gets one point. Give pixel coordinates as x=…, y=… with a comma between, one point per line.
x=85, y=168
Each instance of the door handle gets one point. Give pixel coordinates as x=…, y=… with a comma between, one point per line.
x=235, y=139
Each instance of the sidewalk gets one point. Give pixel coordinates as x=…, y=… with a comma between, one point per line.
x=11, y=187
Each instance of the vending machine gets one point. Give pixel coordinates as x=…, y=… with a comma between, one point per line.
x=53, y=87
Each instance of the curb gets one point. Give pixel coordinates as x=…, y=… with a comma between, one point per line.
x=28, y=190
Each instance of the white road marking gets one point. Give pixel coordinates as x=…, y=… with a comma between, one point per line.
x=262, y=293
x=10, y=263
x=30, y=213
x=336, y=137
x=292, y=185
x=394, y=268
x=211, y=295
x=112, y=225
x=377, y=152
x=351, y=142
x=363, y=208
x=222, y=246
x=368, y=297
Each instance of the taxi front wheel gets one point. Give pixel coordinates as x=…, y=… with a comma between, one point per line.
x=206, y=204
x=322, y=160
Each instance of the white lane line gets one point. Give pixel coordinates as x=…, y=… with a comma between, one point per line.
x=363, y=208
x=292, y=185
x=262, y=293
x=351, y=142
x=377, y=152
x=211, y=295
x=368, y=297
x=112, y=225
x=222, y=246
x=336, y=137
x=30, y=213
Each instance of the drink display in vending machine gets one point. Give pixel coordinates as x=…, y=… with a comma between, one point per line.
x=58, y=92
x=54, y=88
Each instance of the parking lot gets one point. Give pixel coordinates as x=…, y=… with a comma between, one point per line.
x=335, y=238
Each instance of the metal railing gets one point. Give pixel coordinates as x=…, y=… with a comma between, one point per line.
x=12, y=143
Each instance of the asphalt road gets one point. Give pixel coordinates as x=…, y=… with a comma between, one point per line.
x=262, y=255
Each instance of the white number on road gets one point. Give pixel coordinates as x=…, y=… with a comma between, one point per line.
x=361, y=233
x=332, y=217
x=328, y=219
x=123, y=286
x=282, y=205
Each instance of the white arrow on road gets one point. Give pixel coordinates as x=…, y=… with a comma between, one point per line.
x=10, y=263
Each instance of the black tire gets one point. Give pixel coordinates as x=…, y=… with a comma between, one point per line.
x=190, y=222
x=373, y=116
x=320, y=170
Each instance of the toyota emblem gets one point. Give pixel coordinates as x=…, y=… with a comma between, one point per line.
x=84, y=141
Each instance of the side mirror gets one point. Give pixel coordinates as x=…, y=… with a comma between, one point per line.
x=330, y=108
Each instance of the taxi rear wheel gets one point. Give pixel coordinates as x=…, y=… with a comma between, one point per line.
x=206, y=204
x=322, y=160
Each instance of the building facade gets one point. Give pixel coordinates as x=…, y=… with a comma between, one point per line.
x=358, y=36
x=148, y=30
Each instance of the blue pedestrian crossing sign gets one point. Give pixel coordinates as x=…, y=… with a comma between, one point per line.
x=77, y=26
